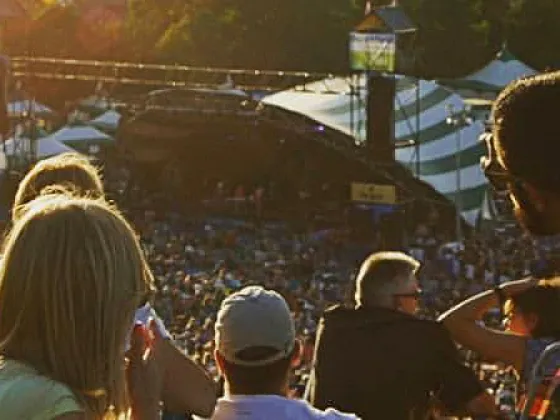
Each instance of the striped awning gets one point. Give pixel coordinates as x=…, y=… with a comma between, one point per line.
x=496, y=75
x=421, y=111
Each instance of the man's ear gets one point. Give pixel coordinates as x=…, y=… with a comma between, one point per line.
x=296, y=354
x=219, y=361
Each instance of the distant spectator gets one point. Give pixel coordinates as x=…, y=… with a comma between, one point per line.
x=70, y=170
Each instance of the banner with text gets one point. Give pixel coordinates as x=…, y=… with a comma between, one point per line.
x=373, y=193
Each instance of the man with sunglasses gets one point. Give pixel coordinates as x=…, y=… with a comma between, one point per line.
x=521, y=162
x=524, y=149
x=380, y=361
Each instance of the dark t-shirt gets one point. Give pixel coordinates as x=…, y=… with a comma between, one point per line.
x=383, y=364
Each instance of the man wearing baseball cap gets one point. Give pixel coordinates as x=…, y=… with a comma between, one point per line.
x=256, y=349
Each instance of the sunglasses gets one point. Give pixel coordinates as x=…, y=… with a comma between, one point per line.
x=498, y=176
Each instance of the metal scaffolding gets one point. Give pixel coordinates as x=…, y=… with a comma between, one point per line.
x=125, y=73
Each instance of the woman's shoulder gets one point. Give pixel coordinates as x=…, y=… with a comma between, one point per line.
x=26, y=394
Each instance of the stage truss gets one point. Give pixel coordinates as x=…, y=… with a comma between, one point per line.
x=107, y=75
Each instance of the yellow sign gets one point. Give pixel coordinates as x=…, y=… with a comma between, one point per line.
x=373, y=193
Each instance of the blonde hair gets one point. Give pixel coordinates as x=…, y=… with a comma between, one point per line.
x=72, y=276
x=70, y=170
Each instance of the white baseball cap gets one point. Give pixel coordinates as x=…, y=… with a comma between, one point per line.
x=254, y=317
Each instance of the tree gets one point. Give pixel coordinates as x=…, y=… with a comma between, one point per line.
x=533, y=32
x=53, y=32
x=451, y=36
x=454, y=36
x=269, y=34
x=146, y=21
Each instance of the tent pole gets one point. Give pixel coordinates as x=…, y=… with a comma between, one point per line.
x=417, y=137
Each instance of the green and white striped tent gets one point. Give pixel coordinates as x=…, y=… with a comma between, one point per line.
x=331, y=103
x=496, y=75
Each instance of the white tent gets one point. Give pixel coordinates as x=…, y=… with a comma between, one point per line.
x=81, y=136
x=18, y=109
x=46, y=147
x=496, y=75
x=229, y=87
x=108, y=121
x=420, y=115
x=94, y=103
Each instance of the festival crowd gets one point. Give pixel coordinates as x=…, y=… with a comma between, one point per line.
x=138, y=309
x=198, y=261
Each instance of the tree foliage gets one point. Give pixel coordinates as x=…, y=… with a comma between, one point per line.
x=533, y=31
x=454, y=37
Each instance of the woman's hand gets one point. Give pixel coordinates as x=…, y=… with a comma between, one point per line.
x=144, y=375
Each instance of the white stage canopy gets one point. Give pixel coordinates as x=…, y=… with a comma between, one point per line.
x=81, y=136
x=496, y=75
x=420, y=115
x=108, y=121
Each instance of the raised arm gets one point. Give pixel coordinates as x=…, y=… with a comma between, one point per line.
x=464, y=323
x=186, y=386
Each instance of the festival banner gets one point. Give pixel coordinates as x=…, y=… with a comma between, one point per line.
x=372, y=51
x=373, y=193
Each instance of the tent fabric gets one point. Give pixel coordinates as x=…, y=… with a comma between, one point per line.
x=94, y=105
x=81, y=136
x=488, y=211
x=496, y=75
x=18, y=109
x=108, y=121
x=421, y=111
x=46, y=147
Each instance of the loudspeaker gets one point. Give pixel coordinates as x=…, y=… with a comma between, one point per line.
x=4, y=76
x=380, y=118
x=392, y=227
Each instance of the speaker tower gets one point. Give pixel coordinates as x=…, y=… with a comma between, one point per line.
x=380, y=118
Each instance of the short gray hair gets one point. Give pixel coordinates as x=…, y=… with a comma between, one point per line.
x=376, y=279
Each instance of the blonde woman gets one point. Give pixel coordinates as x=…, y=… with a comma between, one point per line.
x=186, y=387
x=72, y=276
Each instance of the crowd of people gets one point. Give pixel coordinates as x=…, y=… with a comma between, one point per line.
x=198, y=261
x=136, y=307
